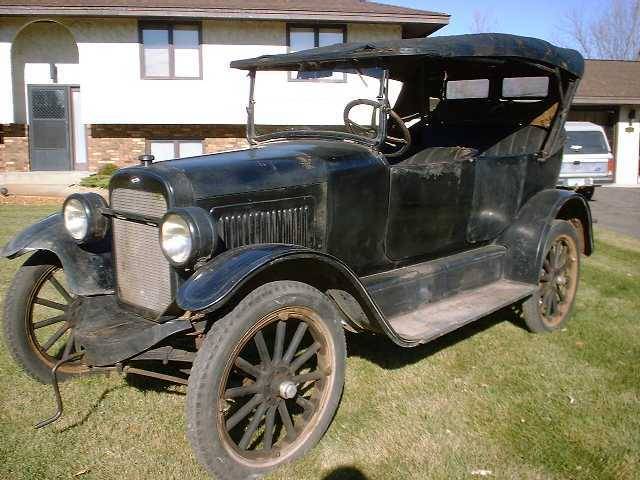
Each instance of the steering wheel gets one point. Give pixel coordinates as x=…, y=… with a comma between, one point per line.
x=401, y=144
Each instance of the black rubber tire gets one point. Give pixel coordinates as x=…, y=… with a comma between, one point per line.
x=530, y=307
x=16, y=311
x=208, y=370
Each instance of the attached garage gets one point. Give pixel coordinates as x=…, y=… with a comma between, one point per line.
x=609, y=95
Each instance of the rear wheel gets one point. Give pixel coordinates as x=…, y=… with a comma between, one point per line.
x=551, y=305
x=587, y=192
x=266, y=382
x=38, y=329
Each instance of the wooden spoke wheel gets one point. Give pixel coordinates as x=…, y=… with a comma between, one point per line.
x=268, y=405
x=558, y=280
x=267, y=381
x=38, y=323
x=550, y=307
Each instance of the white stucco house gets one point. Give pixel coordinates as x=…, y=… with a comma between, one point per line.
x=85, y=83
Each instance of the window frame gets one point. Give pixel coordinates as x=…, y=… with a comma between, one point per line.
x=316, y=27
x=170, y=27
x=176, y=145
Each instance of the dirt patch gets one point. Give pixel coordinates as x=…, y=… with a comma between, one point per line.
x=29, y=200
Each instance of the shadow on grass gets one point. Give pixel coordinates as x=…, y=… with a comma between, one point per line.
x=151, y=384
x=345, y=473
x=92, y=409
x=382, y=351
x=142, y=383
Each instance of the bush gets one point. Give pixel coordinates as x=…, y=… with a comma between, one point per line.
x=101, y=178
x=107, y=170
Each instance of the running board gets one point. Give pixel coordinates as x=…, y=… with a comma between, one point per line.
x=432, y=320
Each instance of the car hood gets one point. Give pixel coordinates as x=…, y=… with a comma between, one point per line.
x=265, y=167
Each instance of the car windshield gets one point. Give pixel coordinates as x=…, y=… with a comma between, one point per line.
x=338, y=103
x=585, y=142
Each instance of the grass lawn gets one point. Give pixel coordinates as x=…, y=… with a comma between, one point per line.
x=489, y=397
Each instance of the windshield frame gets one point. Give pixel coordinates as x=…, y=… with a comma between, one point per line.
x=383, y=99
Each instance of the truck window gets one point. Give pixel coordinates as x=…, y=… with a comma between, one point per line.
x=585, y=142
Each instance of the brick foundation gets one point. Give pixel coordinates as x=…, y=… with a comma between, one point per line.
x=14, y=148
x=120, y=144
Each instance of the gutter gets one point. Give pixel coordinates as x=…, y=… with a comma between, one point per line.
x=240, y=14
x=606, y=101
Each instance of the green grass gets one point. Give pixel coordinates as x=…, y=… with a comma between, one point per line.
x=492, y=397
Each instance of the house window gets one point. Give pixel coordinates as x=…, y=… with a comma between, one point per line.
x=303, y=37
x=171, y=149
x=170, y=51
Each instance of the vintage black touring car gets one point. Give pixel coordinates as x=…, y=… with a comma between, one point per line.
x=428, y=204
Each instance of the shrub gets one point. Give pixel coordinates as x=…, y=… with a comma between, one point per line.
x=101, y=178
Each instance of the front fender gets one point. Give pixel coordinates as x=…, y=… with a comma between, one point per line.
x=88, y=269
x=220, y=278
x=526, y=238
x=214, y=284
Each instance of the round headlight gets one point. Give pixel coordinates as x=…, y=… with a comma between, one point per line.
x=187, y=235
x=76, y=219
x=175, y=238
x=83, y=217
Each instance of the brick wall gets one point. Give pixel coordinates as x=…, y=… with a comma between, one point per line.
x=14, y=148
x=122, y=144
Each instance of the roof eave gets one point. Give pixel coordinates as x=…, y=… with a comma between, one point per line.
x=239, y=14
x=606, y=101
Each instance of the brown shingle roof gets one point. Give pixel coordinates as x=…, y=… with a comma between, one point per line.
x=316, y=10
x=610, y=81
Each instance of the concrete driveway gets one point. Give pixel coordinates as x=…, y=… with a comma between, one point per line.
x=617, y=209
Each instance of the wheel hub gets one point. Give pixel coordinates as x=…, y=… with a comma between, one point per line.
x=287, y=389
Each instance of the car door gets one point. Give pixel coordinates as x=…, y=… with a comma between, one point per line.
x=429, y=204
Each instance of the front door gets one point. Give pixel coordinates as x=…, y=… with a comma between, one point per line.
x=429, y=204
x=49, y=127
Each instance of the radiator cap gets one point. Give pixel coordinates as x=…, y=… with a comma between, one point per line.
x=146, y=160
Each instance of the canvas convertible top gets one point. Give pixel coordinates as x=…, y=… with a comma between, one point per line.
x=389, y=53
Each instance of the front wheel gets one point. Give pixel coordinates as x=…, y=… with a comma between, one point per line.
x=38, y=326
x=266, y=382
x=551, y=305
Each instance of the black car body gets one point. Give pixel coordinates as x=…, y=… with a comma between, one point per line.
x=412, y=245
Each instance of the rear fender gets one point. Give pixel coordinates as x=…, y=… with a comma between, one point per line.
x=526, y=238
x=88, y=269
x=227, y=278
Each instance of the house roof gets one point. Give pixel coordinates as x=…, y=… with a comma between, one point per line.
x=391, y=52
x=610, y=82
x=416, y=22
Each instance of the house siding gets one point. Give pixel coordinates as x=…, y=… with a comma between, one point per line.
x=122, y=111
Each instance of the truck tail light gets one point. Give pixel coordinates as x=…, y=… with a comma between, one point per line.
x=611, y=165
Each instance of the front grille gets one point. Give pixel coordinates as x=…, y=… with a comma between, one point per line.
x=142, y=271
